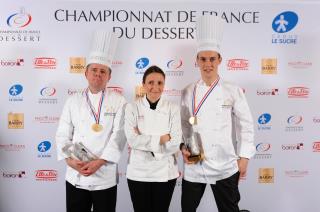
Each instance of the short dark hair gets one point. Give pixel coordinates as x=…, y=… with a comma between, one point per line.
x=219, y=55
x=87, y=67
x=152, y=69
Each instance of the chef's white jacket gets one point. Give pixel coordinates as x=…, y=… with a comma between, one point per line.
x=75, y=126
x=148, y=160
x=226, y=130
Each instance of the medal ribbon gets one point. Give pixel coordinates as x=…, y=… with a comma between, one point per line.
x=195, y=109
x=93, y=111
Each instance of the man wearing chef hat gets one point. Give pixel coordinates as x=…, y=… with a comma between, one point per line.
x=217, y=127
x=90, y=135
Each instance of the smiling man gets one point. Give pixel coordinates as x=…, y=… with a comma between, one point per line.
x=211, y=111
x=90, y=136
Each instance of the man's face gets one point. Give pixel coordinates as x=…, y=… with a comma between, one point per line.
x=97, y=75
x=154, y=85
x=208, y=62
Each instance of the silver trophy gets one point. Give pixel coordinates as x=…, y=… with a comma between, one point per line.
x=194, y=145
x=79, y=151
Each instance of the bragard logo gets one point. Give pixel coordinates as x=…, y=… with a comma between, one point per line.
x=298, y=92
x=73, y=91
x=19, y=174
x=17, y=62
x=238, y=64
x=268, y=92
x=292, y=147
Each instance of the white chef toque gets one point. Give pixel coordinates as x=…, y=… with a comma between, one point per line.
x=103, y=48
x=209, y=30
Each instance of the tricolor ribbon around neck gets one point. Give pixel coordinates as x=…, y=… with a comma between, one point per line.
x=96, y=115
x=195, y=109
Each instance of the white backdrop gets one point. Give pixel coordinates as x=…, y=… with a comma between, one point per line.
x=278, y=70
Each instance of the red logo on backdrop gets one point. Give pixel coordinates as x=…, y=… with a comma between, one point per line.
x=316, y=146
x=45, y=62
x=298, y=92
x=46, y=175
x=238, y=64
x=116, y=89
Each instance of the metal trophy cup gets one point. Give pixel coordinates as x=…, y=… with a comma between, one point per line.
x=194, y=146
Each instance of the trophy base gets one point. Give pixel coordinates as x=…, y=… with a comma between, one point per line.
x=196, y=158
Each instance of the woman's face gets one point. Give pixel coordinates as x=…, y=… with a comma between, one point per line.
x=154, y=85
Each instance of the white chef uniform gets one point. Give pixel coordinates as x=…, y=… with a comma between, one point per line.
x=148, y=160
x=76, y=126
x=224, y=113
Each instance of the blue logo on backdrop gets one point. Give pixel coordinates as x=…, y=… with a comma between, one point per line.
x=15, y=90
x=43, y=149
x=282, y=24
x=142, y=63
x=264, y=118
x=285, y=22
x=44, y=146
x=263, y=122
x=15, y=93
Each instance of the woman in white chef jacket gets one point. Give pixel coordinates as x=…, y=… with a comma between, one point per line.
x=153, y=130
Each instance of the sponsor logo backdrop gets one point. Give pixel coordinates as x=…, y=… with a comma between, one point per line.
x=269, y=50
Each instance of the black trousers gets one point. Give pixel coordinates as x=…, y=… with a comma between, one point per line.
x=81, y=200
x=226, y=194
x=151, y=196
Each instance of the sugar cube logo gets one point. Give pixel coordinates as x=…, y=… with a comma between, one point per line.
x=284, y=22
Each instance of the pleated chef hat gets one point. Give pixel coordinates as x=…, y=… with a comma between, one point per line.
x=103, y=48
x=209, y=30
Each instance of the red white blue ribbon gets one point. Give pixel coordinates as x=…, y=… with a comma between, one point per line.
x=96, y=115
x=195, y=109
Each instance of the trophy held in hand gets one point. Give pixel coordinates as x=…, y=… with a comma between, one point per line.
x=194, y=146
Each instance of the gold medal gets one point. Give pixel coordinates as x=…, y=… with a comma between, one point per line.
x=96, y=127
x=193, y=120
